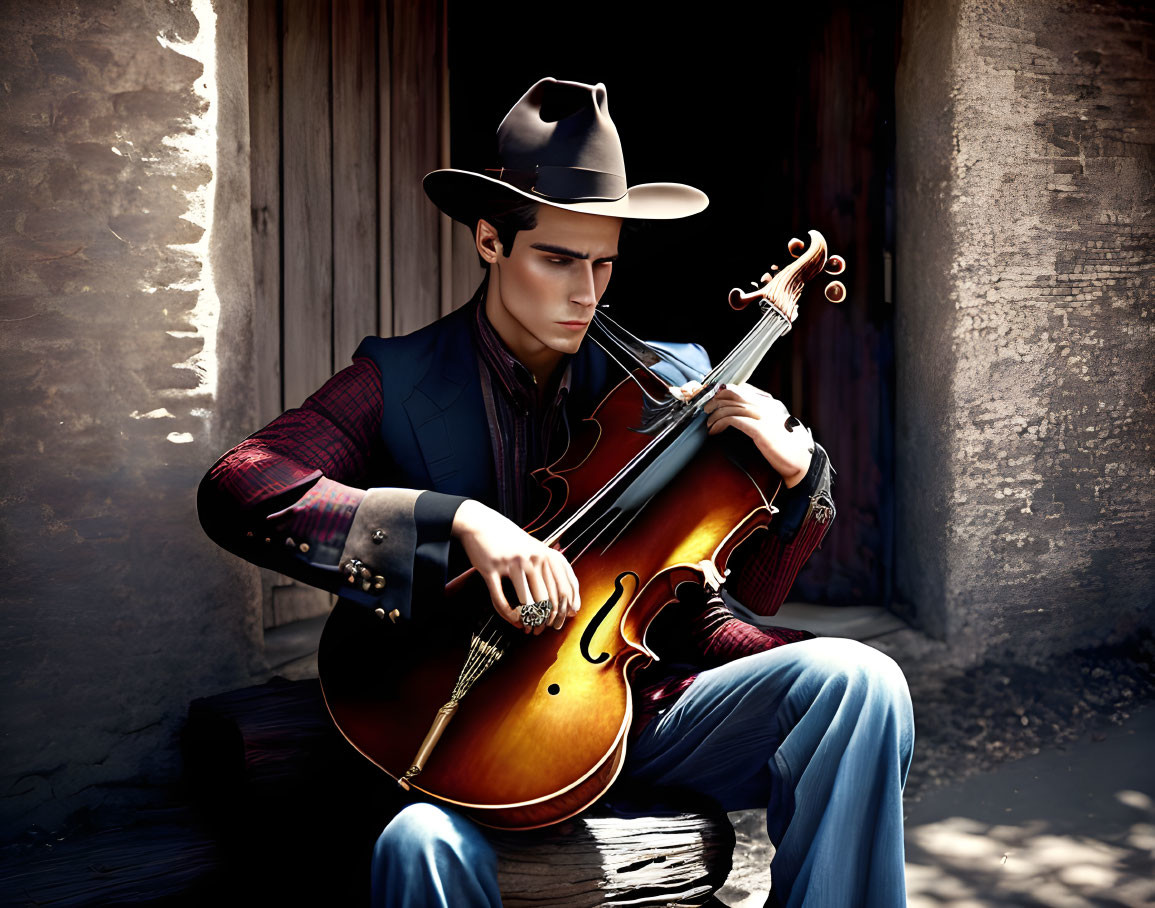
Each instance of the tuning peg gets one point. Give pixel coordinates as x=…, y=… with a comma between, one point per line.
x=755, y=283
x=765, y=278
x=836, y=264
x=795, y=247
x=836, y=291
x=739, y=300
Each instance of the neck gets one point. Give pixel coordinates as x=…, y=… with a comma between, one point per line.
x=539, y=359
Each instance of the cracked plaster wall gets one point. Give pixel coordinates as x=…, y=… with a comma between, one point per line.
x=124, y=222
x=1025, y=323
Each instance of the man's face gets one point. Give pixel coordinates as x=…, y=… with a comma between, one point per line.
x=542, y=297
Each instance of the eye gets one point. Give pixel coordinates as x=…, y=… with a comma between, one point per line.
x=559, y=261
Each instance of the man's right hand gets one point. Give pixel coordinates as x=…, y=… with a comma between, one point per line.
x=499, y=549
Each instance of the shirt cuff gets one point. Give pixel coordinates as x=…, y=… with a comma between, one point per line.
x=793, y=503
x=433, y=513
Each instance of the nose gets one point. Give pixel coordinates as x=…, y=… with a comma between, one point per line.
x=585, y=291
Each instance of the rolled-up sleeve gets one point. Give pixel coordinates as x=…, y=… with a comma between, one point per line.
x=293, y=498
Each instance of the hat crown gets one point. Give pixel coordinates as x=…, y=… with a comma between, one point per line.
x=557, y=146
x=558, y=141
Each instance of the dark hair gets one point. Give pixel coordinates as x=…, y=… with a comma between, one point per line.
x=507, y=216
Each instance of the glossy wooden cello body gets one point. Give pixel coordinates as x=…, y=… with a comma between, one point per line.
x=639, y=503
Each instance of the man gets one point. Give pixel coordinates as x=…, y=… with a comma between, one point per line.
x=418, y=456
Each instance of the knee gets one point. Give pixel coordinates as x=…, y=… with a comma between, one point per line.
x=429, y=855
x=862, y=671
x=418, y=833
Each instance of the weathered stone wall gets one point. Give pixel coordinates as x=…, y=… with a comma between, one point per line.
x=1026, y=325
x=124, y=235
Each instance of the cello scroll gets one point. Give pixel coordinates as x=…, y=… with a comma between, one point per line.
x=782, y=289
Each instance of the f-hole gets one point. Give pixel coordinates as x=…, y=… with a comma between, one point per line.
x=592, y=627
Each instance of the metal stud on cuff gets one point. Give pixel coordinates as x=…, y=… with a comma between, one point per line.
x=354, y=569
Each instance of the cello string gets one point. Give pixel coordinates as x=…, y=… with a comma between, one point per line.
x=755, y=334
x=598, y=317
x=766, y=325
x=656, y=351
x=483, y=654
x=630, y=518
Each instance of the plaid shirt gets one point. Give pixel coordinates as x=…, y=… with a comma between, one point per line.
x=301, y=478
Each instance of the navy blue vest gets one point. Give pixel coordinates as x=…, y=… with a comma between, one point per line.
x=433, y=423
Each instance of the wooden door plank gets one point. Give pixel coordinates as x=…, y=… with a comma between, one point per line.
x=466, y=270
x=308, y=249
x=354, y=176
x=416, y=46
x=384, y=169
x=307, y=313
x=265, y=189
x=265, y=150
x=444, y=223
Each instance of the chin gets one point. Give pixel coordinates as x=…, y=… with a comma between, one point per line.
x=570, y=344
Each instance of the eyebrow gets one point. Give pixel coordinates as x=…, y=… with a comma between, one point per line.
x=561, y=250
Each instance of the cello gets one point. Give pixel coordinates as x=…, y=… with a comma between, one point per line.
x=521, y=732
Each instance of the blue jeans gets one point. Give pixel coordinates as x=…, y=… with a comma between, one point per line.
x=820, y=733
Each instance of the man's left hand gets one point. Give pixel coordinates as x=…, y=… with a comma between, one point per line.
x=785, y=443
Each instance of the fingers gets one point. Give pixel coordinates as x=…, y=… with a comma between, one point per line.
x=575, y=590
x=728, y=414
x=564, y=581
x=745, y=392
x=688, y=390
x=743, y=400
x=497, y=595
x=501, y=552
x=550, y=577
x=742, y=423
x=537, y=591
x=563, y=576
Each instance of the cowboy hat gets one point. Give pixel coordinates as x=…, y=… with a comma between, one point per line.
x=558, y=146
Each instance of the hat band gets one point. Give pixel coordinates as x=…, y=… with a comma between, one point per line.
x=566, y=184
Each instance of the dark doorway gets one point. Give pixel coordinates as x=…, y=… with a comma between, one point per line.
x=785, y=119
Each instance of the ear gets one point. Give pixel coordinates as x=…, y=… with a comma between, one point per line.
x=485, y=238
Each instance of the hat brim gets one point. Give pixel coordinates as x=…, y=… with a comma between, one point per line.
x=462, y=194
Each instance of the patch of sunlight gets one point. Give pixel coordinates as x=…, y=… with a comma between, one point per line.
x=960, y=863
x=1142, y=837
x=1137, y=799
x=198, y=145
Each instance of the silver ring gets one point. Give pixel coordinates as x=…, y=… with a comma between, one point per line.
x=535, y=614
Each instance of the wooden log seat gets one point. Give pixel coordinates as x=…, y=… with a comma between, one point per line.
x=606, y=857
x=297, y=810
